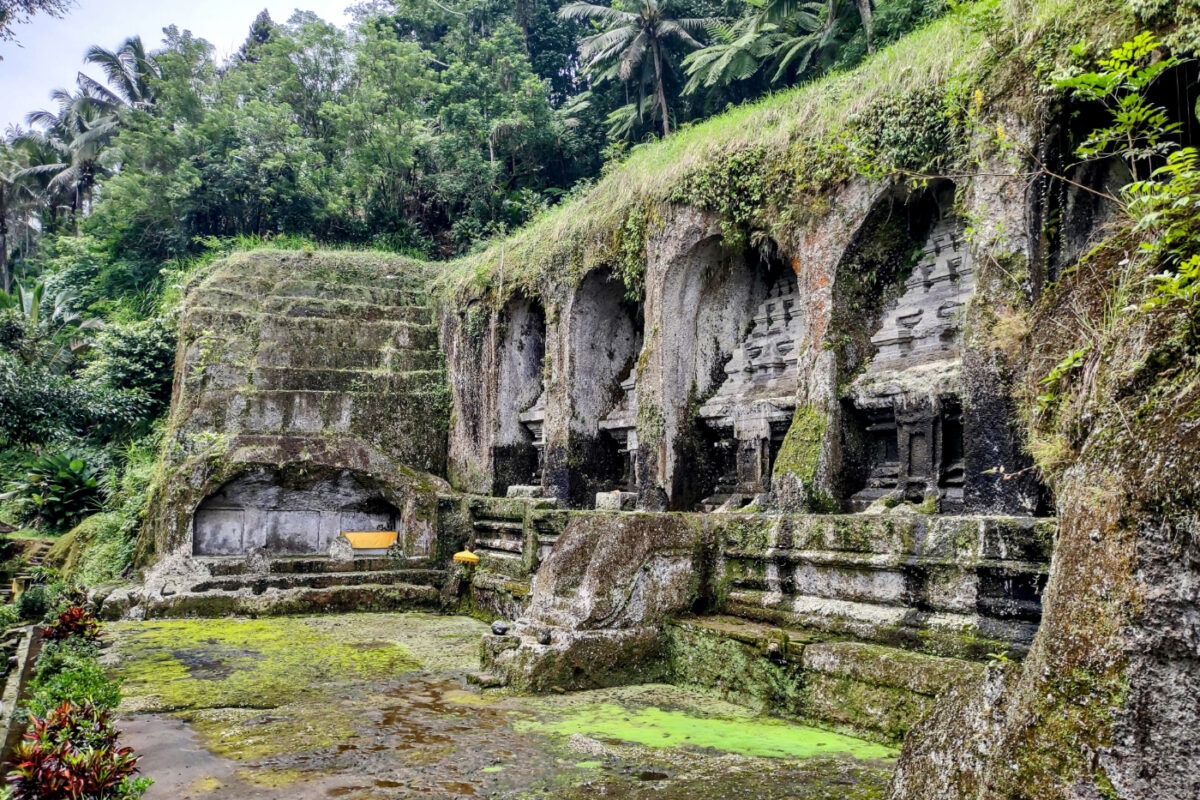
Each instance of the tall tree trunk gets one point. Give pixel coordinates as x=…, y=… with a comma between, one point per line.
x=5, y=278
x=660, y=90
x=868, y=22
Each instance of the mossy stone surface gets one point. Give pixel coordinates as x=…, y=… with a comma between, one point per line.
x=373, y=706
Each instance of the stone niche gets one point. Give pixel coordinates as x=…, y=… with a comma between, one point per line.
x=605, y=340
x=905, y=408
x=520, y=401
x=728, y=349
x=751, y=411
x=287, y=515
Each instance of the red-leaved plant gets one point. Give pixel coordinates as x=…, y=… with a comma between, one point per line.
x=75, y=622
x=70, y=755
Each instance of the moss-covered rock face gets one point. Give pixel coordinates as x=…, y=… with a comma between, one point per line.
x=1105, y=705
x=308, y=367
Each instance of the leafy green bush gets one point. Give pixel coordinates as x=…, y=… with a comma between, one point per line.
x=33, y=603
x=56, y=490
x=69, y=671
x=138, y=356
x=38, y=406
x=9, y=616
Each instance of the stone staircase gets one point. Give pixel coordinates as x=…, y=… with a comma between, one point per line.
x=511, y=536
x=221, y=586
x=34, y=555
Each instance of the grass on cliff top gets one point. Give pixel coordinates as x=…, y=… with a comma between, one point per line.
x=957, y=50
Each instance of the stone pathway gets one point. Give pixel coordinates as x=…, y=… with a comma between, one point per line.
x=373, y=706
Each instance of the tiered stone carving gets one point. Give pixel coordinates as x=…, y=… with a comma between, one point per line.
x=621, y=425
x=909, y=394
x=753, y=407
x=534, y=420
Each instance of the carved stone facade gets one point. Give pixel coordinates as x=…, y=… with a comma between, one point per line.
x=621, y=425
x=909, y=399
x=752, y=409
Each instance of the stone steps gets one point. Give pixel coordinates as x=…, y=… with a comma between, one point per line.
x=867, y=689
x=953, y=586
x=258, y=584
x=224, y=585
x=370, y=333
x=967, y=636
x=250, y=292
x=1007, y=589
x=221, y=566
x=300, y=600
x=308, y=411
x=348, y=358
x=322, y=379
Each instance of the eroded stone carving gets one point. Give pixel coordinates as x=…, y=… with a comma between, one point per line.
x=908, y=398
x=752, y=409
x=621, y=425
x=259, y=511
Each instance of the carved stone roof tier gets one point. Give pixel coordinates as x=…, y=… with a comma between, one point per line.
x=761, y=375
x=919, y=341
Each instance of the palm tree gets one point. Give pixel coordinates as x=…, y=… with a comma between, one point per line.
x=129, y=71
x=634, y=40
x=79, y=133
x=17, y=197
x=787, y=34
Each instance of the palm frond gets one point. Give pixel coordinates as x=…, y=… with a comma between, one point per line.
x=590, y=11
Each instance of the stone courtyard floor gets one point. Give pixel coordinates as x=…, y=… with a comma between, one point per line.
x=375, y=706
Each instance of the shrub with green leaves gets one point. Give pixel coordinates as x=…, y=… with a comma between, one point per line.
x=56, y=490
x=69, y=670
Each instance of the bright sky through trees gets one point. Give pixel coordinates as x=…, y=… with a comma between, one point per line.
x=48, y=51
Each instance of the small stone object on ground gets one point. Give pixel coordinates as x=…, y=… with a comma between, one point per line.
x=544, y=637
x=499, y=628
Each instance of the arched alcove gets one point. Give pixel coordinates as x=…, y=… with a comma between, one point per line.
x=714, y=300
x=288, y=514
x=900, y=299
x=605, y=340
x=520, y=404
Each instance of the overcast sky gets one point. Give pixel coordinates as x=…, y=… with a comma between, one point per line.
x=49, y=52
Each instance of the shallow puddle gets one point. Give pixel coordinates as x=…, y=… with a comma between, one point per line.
x=375, y=706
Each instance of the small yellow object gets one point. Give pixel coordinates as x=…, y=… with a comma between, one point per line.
x=371, y=540
x=466, y=557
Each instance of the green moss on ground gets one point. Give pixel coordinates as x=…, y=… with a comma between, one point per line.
x=255, y=688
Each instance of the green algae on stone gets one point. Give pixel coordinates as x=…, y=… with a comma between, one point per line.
x=267, y=687
x=248, y=663
x=747, y=736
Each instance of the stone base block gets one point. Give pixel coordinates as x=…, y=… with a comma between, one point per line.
x=540, y=659
x=616, y=501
